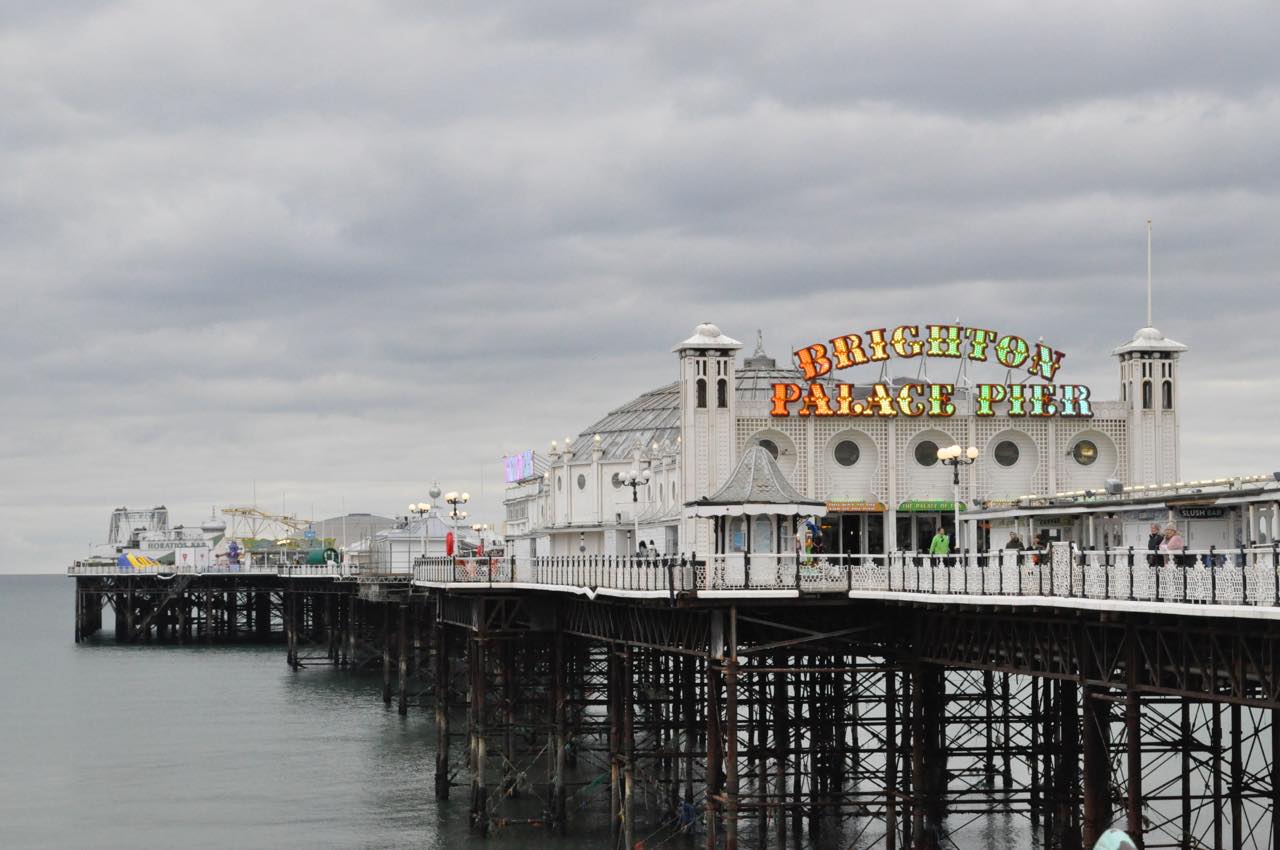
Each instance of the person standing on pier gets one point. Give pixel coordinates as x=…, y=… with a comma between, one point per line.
x=1174, y=545
x=941, y=544
x=1154, y=558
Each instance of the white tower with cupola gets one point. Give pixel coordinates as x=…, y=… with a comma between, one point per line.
x=1149, y=387
x=707, y=422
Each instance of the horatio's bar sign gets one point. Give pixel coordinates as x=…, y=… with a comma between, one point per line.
x=824, y=398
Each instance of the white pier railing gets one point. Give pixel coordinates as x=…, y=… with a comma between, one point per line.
x=1236, y=577
x=1209, y=577
x=248, y=566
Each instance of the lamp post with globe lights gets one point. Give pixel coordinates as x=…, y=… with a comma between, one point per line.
x=420, y=510
x=635, y=479
x=956, y=457
x=454, y=498
x=480, y=528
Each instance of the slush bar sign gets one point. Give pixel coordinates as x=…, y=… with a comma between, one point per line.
x=1039, y=398
x=518, y=466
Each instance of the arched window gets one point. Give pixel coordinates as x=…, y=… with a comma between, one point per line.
x=1146, y=395
x=1166, y=395
x=702, y=392
x=722, y=393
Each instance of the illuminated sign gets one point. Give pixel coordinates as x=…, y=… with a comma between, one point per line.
x=848, y=507
x=518, y=467
x=928, y=506
x=935, y=400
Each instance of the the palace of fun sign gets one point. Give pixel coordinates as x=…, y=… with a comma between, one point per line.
x=1038, y=398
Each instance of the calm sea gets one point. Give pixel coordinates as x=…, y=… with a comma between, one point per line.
x=118, y=746
x=111, y=746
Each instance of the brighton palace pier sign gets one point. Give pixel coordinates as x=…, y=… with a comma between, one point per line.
x=1039, y=398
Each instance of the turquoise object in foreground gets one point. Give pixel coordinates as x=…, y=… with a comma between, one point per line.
x=1115, y=839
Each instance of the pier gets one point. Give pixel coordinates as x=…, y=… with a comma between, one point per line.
x=884, y=701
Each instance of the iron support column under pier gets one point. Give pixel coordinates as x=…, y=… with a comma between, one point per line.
x=479, y=756
x=781, y=741
x=714, y=773
x=262, y=614
x=401, y=645
x=1274, y=770
x=1067, y=778
x=628, y=749
x=1237, y=779
x=1133, y=762
x=353, y=626
x=928, y=758
x=509, y=779
x=290, y=626
x=386, y=654
x=442, y=710
x=731, y=735
x=1095, y=737
x=613, y=697
x=891, y=759
x=560, y=739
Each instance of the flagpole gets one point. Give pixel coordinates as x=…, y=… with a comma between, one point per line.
x=1148, y=272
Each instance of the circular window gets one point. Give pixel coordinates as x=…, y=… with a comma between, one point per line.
x=582, y=481
x=1085, y=452
x=1007, y=453
x=770, y=446
x=926, y=452
x=616, y=480
x=847, y=452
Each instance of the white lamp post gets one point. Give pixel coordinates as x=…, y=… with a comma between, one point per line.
x=635, y=479
x=956, y=457
x=421, y=509
x=454, y=498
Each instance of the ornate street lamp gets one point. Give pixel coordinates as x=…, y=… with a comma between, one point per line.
x=420, y=510
x=635, y=479
x=480, y=528
x=454, y=498
x=956, y=457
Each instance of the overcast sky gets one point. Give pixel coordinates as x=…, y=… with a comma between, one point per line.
x=336, y=251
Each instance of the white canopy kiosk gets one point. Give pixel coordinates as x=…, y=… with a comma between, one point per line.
x=755, y=512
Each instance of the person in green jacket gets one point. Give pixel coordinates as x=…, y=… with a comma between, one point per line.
x=941, y=544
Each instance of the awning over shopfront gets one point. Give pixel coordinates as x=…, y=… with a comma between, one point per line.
x=756, y=487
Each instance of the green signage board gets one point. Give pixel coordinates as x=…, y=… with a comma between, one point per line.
x=928, y=506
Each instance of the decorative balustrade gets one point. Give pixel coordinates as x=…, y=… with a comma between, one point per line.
x=1249, y=577
x=252, y=566
x=484, y=569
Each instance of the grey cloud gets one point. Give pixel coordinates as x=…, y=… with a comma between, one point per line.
x=344, y=253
